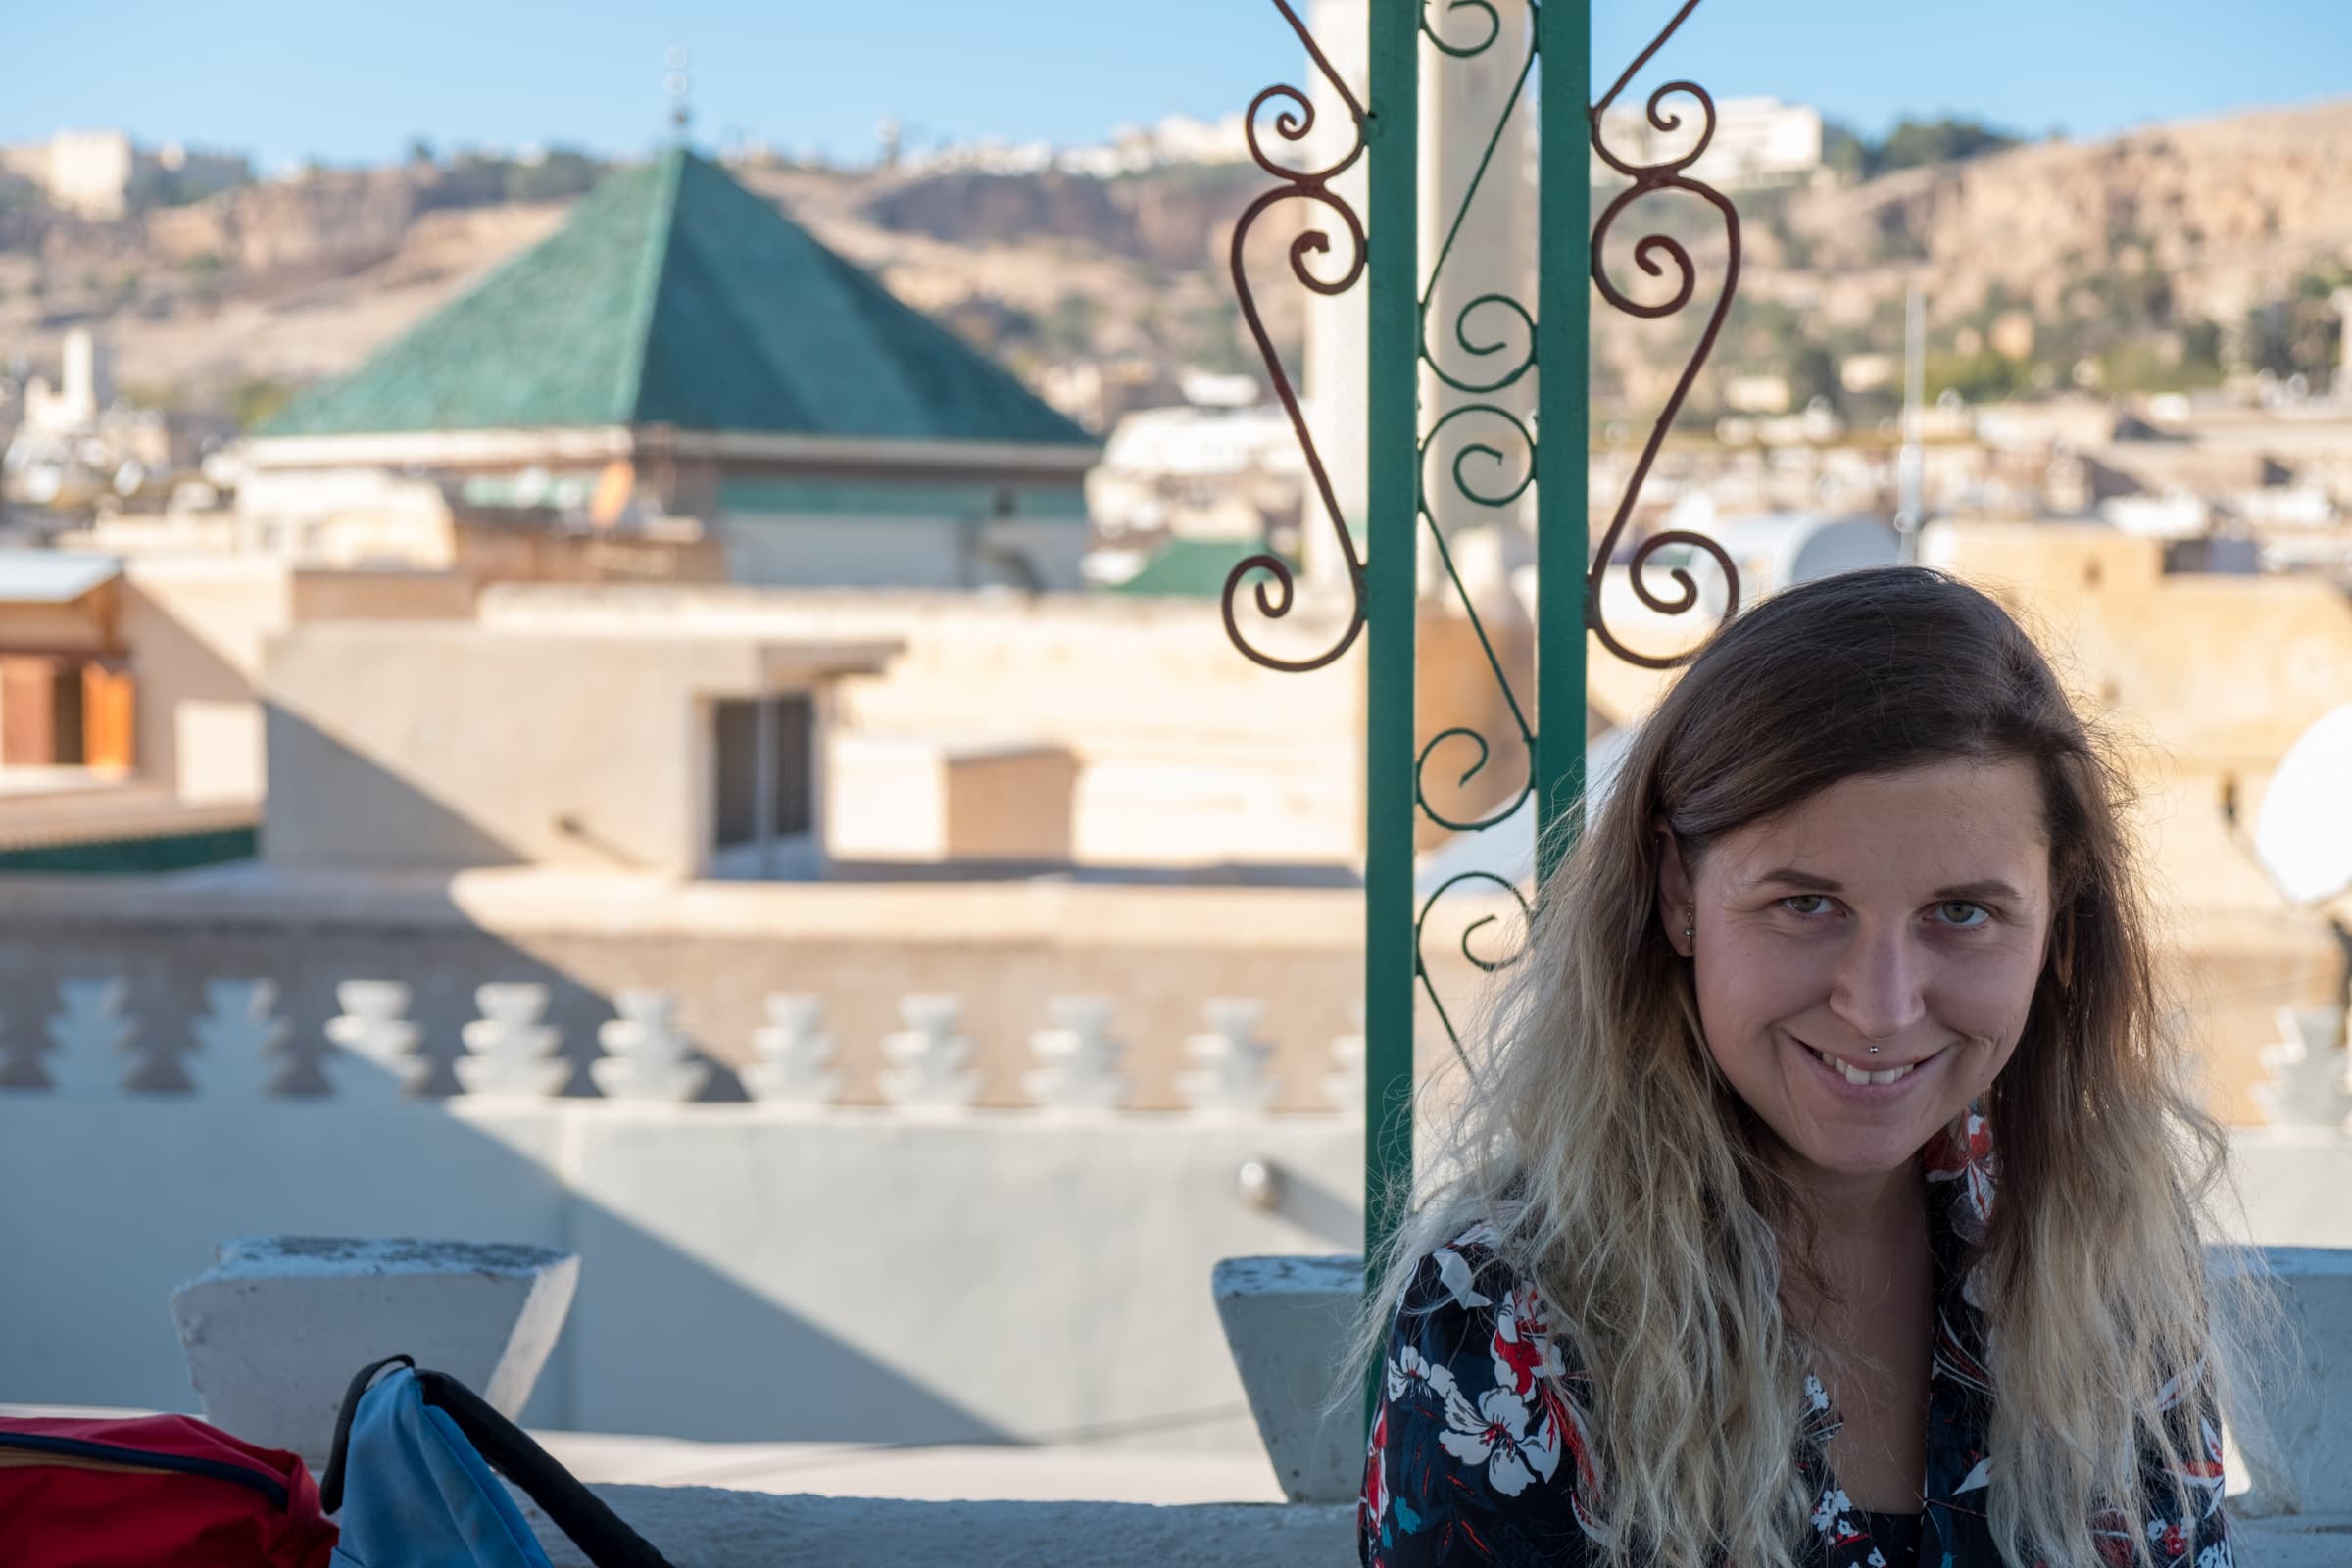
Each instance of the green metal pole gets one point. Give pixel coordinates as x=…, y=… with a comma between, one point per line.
x=1563, y=349
x=1393, y=138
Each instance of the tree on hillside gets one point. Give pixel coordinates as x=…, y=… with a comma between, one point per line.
x=1912, y=144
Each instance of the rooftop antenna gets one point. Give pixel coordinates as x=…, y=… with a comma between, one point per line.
x=675, y=85
x=1911, y=467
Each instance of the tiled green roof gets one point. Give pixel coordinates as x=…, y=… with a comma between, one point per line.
x=674, y=296
x=1190, y=568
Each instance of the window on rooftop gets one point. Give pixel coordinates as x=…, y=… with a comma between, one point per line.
x=789, y=776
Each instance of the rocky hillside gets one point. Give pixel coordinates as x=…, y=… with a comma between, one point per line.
x=2159, y=260
x=2171, y=257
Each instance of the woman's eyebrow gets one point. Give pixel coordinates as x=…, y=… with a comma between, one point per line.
x=1991, y=887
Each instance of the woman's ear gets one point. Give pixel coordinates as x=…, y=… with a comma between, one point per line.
x=1673, y=886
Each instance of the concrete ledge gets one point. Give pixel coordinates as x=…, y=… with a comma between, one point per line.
x=2308, y=1394
x=276, y=1327
x=1286, y=1321
x=701, y=1527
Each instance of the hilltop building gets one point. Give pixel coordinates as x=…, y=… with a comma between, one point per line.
x=104, y=175
x=680, y=349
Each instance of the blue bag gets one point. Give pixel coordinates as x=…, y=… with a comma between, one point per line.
x=415, y=1477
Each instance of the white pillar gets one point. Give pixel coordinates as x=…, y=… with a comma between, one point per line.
x=1461, y=100
x=1338, y=368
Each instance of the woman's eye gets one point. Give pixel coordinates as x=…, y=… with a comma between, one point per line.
x=1964, y=915
x=1820, y=902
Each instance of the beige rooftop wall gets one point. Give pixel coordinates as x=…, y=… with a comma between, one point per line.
x=1187, y=752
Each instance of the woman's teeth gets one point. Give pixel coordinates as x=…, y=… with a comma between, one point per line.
x=1855, y=1075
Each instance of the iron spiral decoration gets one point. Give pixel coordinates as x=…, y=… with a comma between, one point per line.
x=1276, y=588
x=1649, y=179
x=1484, y=449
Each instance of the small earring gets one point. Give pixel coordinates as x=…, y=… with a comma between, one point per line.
x=1689, y=926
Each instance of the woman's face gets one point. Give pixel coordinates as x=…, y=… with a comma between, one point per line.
x=1908, y=912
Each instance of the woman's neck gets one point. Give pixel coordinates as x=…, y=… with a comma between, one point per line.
x=1860, y=1232
x=1860, y=1207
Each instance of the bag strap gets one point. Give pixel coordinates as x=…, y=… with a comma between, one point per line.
x=579, y=1513
x=330, y=1485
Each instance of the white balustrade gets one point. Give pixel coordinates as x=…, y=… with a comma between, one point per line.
x=928, y=1057
x=509, y=1051
x=1344, y=1083
x=795, y=1053
x=2307, y=1086
x=1081, y=1070
x=1230, y=1076
x=372, y=1051
x=240, y=1044
x=374, y=1057
x=647, y=1057
x=89, y=1038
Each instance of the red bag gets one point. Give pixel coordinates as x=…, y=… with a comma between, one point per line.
x=149, y=1491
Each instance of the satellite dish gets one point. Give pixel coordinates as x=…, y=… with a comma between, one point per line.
x=2303, y=834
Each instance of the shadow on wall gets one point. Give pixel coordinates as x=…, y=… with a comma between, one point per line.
x=153, y=1181
x=405, y=828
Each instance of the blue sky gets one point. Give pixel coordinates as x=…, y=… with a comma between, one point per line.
x=351, y=83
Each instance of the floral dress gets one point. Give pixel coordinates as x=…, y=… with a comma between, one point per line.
x=1481, y=1451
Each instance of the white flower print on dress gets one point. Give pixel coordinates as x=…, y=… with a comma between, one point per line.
x=1829, y=1514
x=2215, y=1555
x=1460, y=1280
x=1408, y=1367
x=1496, y=1434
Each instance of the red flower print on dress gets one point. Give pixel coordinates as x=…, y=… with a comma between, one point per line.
x=1524, y=1354
x=1963, y=1154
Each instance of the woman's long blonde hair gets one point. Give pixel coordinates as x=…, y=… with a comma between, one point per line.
x=1634, y=1188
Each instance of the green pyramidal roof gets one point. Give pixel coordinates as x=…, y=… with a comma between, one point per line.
x=674, y=296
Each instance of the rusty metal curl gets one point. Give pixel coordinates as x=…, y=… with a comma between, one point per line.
x=1652, y=255
x=1276, y=586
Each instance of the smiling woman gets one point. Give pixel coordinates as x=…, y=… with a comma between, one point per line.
x=1715, y=1272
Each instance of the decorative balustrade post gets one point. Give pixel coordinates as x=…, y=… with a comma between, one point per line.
x=928, y=1057
x=240, y=1045
x=375, y=1058
x=1344, y=1083
x=650, y=1059
x=2308, y=1082
x=795, y=1053
x=89, y=1038
x=509, y=1050
x=1230, y=1074
x=1081, y=1070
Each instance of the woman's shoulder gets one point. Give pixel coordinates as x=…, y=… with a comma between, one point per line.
x=1467, y=1275
x=1469, y=1310
x=1481, y=1434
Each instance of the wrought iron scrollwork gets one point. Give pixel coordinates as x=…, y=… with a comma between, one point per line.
x=1487, y=452
x=1469, y=953
x=1483, y=447
x=1276, y=588
x=1651, y=179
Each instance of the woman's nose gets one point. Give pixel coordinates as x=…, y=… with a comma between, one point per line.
x=1878, y=990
